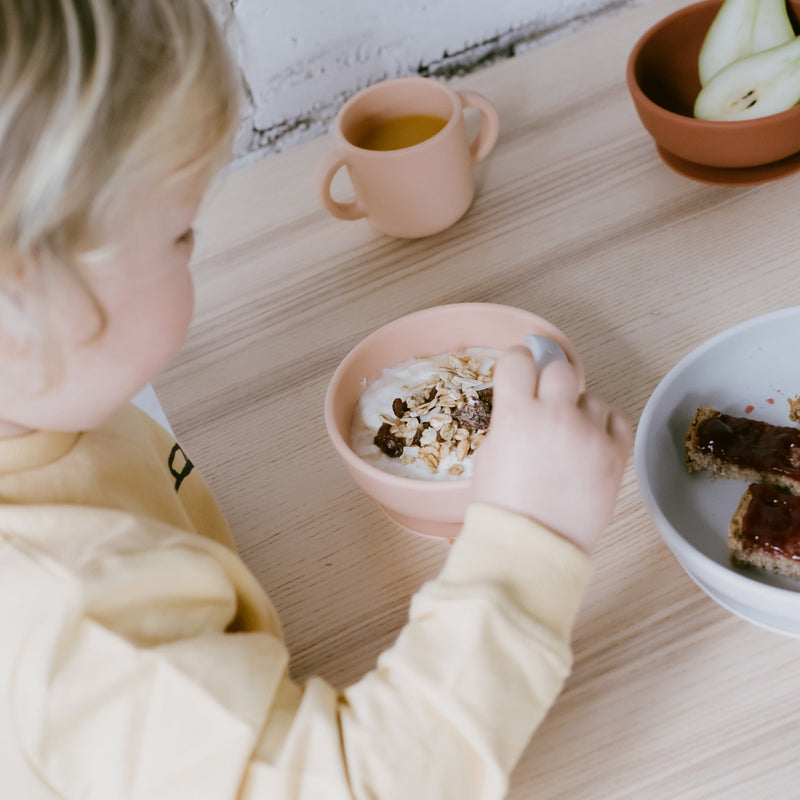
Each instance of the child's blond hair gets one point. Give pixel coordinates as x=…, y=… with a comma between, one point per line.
x=96, y=97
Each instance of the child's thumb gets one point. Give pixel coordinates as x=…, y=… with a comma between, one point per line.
x=515, y=376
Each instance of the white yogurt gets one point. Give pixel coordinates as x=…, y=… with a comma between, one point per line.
x=403, y=381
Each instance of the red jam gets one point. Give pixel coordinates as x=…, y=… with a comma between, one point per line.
x=772, y=522
x=751, y=444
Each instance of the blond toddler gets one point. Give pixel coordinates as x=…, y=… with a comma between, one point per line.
x=138, y=656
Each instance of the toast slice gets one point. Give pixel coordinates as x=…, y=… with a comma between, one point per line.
x=765, y=530
x=743, y=449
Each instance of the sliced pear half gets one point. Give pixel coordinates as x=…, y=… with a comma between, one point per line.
x=742, y=28
x=757, y=86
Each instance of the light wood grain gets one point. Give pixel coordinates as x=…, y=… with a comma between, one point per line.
x=578, y=220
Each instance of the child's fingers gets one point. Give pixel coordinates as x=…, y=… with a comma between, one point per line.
x=514, y=376
x=596, y=409
x=559, y=383
x=606, y=418
x=619, y=427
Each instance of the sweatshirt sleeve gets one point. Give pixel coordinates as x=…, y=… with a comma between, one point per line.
x=187, y=706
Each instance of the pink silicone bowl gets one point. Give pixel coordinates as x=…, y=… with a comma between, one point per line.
x=434, y=508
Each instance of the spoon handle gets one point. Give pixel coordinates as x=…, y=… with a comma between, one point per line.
x=544, y=350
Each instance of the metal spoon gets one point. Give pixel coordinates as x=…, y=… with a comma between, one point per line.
x=544, y=350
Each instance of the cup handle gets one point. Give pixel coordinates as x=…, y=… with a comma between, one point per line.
x=330, y=165
x=490, y=124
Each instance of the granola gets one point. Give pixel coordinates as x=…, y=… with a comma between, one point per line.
x=794, y=408
x=436, y=418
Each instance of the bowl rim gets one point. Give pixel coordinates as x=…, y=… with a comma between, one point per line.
x=389, y=479
x=674, y=540
x=702, y=124
x=413, y=80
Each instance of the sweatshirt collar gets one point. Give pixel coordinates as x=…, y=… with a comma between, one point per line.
x=34, y=450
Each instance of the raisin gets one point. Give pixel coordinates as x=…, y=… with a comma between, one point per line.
x=486, y=396
x=399, y=407
x=388, y=442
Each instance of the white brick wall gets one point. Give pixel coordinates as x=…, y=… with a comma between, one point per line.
x=301, y=59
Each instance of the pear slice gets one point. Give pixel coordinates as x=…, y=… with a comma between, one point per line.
x=741, y=28
x=756, y=86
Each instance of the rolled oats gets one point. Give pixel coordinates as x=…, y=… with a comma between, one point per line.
x=451, y=410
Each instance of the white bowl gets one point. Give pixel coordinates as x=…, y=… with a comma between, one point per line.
x=751, y=370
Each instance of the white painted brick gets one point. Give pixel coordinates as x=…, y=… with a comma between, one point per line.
x=301, y=59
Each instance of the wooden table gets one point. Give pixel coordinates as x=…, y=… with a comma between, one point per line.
x=578, y=220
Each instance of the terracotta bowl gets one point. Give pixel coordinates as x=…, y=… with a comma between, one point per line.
x=434, y=508
x=663, y=82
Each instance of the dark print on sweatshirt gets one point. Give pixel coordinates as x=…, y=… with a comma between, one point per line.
x=179, y=465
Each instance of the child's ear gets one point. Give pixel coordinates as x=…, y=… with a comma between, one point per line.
x=16, y=331
x=13, y=317
x=10, y=348
x=43, y=297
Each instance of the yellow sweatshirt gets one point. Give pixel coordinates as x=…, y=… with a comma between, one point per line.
x=139, y=658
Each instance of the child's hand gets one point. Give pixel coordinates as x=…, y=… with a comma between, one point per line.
x=551, y=453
